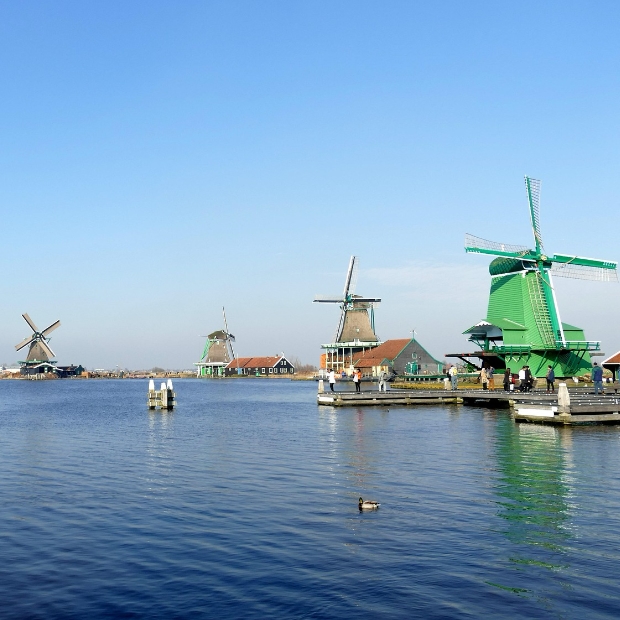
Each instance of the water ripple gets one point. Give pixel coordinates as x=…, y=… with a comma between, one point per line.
x=242, y=502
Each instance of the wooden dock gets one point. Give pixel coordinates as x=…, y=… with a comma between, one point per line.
x=581, y=407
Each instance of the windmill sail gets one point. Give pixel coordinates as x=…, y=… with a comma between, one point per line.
x=349, y=283
x=39, y=350
x=484, y=246
x=533, y=198
x=585, y=272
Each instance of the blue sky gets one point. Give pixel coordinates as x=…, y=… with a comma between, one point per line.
x=162, y=159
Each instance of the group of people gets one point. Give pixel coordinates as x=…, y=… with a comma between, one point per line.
x=526, y=380
x=357, y=379
x=487, y=377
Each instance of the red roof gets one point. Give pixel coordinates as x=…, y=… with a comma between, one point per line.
x=254, y=362
x=388, y=350
x=369, y=362
x=614, y=359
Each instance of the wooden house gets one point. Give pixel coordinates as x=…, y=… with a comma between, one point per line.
x=400, y=356
x=274, y=366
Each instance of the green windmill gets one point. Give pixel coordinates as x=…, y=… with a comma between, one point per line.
x=523, y=324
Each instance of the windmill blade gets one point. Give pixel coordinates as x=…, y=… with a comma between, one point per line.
x=48, y=330
x=484, y=246
x=324, y=299
x=232, y=350
x=24, y=342
x=46, y=348
x=340, y=323
x=354, y=275
x=533, y=197
x=368, y=300
x=28, y=320
x=347, y=282
x=580, y=268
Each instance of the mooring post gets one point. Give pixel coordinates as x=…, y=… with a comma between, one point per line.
x=563, y=400
x=169, y=395
x=321, y=386
x=164, y=396
x=152, y=399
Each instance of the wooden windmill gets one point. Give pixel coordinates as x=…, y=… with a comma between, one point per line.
x=38, y=359
x=356, y=327
x=218, y=352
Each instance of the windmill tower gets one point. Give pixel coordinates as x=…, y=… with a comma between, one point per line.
x=356, y=328
x=39, y=355
x=523, y=324
x=218, y=352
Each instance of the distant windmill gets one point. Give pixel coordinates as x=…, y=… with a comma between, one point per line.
x=356, y=327
x=39, y=351
x=218, y=352
x=523, y=325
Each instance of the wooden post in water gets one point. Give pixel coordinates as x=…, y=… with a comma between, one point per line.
x=563, y=400
x=164, y=398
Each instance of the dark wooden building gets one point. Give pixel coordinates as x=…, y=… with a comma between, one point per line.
x=260, y=366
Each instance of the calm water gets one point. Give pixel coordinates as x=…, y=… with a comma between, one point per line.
x=243, y=503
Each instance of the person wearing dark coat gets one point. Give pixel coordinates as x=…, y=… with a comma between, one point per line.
x=597, y=378
x=507, y=380
x=550, y=380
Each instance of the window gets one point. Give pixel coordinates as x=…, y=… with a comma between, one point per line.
x=291, y=370
x=270, y=370
x=262, y=371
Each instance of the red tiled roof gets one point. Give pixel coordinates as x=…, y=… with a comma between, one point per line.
x=614, y=359
x=388, y=350
x=254, y=362
x=369, y=362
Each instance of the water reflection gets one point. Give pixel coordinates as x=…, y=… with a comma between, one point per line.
x=158, y=449
x=349, y=439
x=533, y=495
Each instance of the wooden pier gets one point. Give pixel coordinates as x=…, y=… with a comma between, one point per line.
x=575, y=407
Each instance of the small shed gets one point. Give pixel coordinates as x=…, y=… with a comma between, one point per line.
x=612, y=363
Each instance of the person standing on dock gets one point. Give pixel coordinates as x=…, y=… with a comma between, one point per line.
x=550, y=380
x=507, y=378
x=597, y=377
x=357, y=377
x=491, y=378
x=529, y=380
x=331, y=377
x=383, y=381
x=522, y=386
x=454, y=377
x=483, y=377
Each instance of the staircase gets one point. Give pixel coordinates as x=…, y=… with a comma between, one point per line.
x=541, y=311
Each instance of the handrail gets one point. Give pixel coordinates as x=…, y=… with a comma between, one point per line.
x=569, y=345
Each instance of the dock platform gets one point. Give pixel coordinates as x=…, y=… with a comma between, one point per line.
x=539, y=407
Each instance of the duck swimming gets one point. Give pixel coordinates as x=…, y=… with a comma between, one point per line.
x=367, y=504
